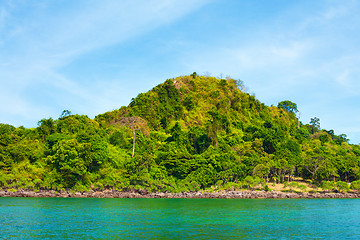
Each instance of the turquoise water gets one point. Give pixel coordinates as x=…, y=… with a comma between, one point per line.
x=71, y=218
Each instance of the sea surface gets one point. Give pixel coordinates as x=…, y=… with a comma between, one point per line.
x=76, y=218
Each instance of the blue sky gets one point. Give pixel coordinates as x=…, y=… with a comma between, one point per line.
x=92, y=56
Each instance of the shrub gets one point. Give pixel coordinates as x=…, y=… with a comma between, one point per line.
x=37, y=183
x=2, y=179
x=29, y=185
x=258, y=181
x=342, y=186
x=81, y=188
x=231, y=186
x=249, y=181
x=355, y=185
x=99, y=185
x=293, y=185
x=302, y=187
x=327, y=185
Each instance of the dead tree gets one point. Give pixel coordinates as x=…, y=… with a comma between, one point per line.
x=135, y=124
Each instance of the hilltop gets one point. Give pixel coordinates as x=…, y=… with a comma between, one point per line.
x=189, y=133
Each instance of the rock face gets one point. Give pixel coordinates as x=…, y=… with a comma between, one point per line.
x=222, y=194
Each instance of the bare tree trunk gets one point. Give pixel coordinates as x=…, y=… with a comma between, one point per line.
x=133, y=152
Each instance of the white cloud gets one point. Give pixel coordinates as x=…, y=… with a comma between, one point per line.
x=343, y=78
x=36, y=43
x=312, y=59
x=3, y=15
x=269, y=55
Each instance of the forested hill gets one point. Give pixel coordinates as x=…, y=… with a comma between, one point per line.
x=189, y=133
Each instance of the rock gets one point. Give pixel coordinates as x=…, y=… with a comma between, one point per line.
x=145, y=194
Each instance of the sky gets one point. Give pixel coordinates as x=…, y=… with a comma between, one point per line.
x=91, y=56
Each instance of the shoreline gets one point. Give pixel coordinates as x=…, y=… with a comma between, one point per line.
x=246, y=194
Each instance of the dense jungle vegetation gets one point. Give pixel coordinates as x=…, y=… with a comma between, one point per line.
x=186, y=134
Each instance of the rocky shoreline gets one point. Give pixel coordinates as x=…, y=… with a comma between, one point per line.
x=221, y=194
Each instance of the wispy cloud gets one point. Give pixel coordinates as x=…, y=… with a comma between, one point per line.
x=311, y=58
x=37, y=39
x=270, y=54
x=307, y=52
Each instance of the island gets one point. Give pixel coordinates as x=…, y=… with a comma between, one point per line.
x=191, y=136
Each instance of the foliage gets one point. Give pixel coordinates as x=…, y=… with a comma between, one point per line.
x=288, y=106
x=355, y=185
x=191, y=133
x=327, y=185
x=342, y=186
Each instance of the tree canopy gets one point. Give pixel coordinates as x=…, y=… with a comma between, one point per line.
x=288, y=106
x=192, y=132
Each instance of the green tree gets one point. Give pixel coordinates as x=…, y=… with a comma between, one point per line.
x=65, y=114
x=194, y=75
x=288, y=106
x=46, y=127
x=68, y=162
x=315, y=124
x=249, y=180
x=355, y=185
x=261, y=171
